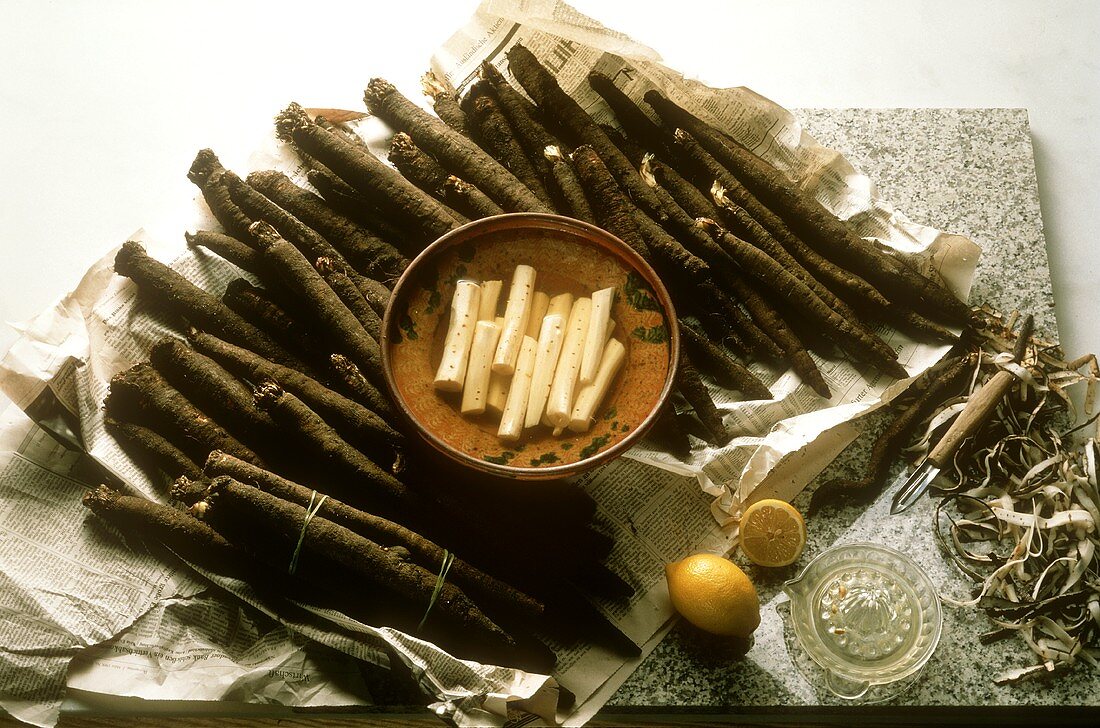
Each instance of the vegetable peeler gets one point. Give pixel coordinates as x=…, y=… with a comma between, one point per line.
x=977, y=411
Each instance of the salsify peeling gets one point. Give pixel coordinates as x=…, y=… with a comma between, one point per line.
x=1022, y=520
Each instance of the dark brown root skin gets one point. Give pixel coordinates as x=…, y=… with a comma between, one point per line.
x=482, y=587
x=522, y=116
x=368, y=253
x=717, y=323
x=164, y=410
x=183, y=298
x=741, y=210
x=335, y=275
x=468, y=200
x=376, y=293
x=687, y=195
x=187, y=536
x=360, y=389
x=189, y=490
x=418, y=167
x=497, y=138
x=613, y=210
x=769, y=320
x=380, y=184
x=230, y=248
x=350, y=417
x=630, y=115
x=214, y=390
x=744, y=335
x=271, y=527
x=718, y=364
x=553, y=101
x=672, y=257
x=808, y=217
x=206, y=173
x=444, y=103
x=151, y=450
x=779, y=251
x=344, y=199
x=569, y=187
x=260, y=308
x=353, y=471
x=456, y=152
x=922, y=398
x=695, y=392
x=307, y=240
x=338, y=323
x=791, y=291
x=617, y=214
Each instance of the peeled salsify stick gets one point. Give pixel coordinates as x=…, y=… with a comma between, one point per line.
x=490, y=295
x=515, y=319
x=591, y=395
x=476, y=388
x=560, y=404
x=497, y=396
x=460, y=335
x=546, y=360
x=540, y=302
x=597, y=334
x=515, y=408
x=560, y=305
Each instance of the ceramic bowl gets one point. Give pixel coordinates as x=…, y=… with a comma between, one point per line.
x=569, y=256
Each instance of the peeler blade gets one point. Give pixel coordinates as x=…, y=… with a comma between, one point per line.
x=914, y=486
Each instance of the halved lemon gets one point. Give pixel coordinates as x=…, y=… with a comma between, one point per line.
x=772, y=533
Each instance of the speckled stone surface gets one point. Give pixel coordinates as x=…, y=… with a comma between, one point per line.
x=964, y=171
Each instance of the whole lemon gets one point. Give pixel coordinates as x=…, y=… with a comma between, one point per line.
x=714, y=595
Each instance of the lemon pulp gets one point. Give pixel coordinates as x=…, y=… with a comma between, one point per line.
x=772, y=533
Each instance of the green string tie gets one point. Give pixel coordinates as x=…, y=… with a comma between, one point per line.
x=311, y=511
x=440, y=579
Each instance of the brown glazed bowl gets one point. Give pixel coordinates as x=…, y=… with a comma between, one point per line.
x=568, y=256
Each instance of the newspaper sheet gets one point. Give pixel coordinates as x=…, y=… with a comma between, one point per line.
x=59, y=369
x=213, y=647
x=71, y=584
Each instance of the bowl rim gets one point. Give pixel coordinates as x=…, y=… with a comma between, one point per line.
x=541, y=221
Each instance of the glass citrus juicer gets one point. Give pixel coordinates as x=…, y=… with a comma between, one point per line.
x=868, y=616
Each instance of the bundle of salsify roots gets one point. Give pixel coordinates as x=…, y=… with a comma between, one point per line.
x=291, y=465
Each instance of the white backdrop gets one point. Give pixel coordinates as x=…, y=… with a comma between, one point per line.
x=105, y=103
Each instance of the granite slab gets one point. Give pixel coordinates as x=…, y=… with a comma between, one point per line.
x=966, y=171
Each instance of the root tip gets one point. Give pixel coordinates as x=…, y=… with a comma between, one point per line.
x=325, y=264
x=402, y=145
x=264, y=234
x=432, y=85
x=99, y=498
x=206, y=163
x=267, y=393
x=293, y=118
x=129, y=253
x=376, y=92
